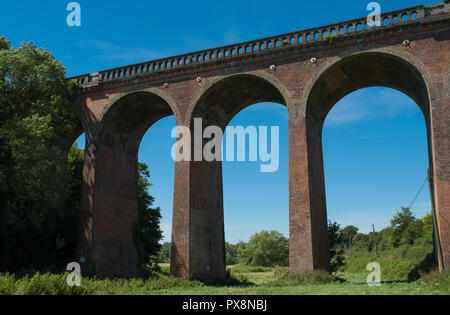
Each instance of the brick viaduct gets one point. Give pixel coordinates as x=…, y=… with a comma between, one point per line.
x=309, y=72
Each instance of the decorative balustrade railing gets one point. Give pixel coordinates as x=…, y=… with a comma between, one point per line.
x=304, y=37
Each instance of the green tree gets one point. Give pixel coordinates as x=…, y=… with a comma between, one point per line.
x=361, y=242
x=428, y=223
x=240, y=249
x=347, y=235
x=164, y=253
x=407, y=227
x=69, y=221
x=336, y=243
x=231, y=252
x=428, y=230
x=267, y=249
x=387, y=238
x=36, y=119
x=147, y=233
x=38, y=229
x=4, y=44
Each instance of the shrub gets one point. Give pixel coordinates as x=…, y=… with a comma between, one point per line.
x=121, y=286
x=336, y=243
x=404, y=263
x=436, y=280
x=53, y=284
x=7, y=284
x=267, y=249
x=281, y=271
x=164, y=269
x=47, y=284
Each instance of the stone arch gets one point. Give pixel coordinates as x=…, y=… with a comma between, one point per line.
x=260, y=79
x=158, y=92
x=67, y=142
x=130, y=115
x=216, y=103
x=109, y=202
x=339, y=77
x=61, y=155
x=408, y=63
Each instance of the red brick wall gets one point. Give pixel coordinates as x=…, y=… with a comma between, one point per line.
x=108, y=201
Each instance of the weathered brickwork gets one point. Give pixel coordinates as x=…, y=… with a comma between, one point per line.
x=309, y=76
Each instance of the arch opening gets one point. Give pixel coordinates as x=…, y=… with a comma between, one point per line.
x=162, y=169
x=217, y=107
x=361, y=71
x=225, y=99
x=113, y=247
x=375, y=159
x=131, y=116
x=255, y=201
x=353, y=73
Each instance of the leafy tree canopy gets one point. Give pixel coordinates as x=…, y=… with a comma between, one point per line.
x=147, y=233
x=267, y=249
x=35, y=115
x=348, y=233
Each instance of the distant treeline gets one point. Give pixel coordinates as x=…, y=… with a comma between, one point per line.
x=269, y=249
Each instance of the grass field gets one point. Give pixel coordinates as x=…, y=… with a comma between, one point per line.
x=404, y=272
x=260, y=282
x=243, y=281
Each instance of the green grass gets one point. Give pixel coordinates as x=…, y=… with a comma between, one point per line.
x=251, y=283
x=405, y=271
x=259, y=285
x=328, y=289
x=404, y=264
x=50, y=284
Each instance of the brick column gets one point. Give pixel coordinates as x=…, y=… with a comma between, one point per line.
x=179, y=265
x=441, y=172
x=207, y=250
x=308, y=239
x=109, y=211
x=198, y=245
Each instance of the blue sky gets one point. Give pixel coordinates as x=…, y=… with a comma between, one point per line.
x=374, y=139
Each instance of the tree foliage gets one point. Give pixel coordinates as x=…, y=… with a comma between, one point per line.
x=406, y=227
x=270, y=249
x=147, y=233
x=267, y=249
x=165, y=253
x=40, y=179
x=336, y=242
x=348, y=234
x=405, y=230
x=35, y=114
x=232, y=253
